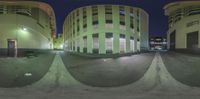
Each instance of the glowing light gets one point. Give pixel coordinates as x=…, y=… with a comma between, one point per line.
x=61, y=46
x=24, y=28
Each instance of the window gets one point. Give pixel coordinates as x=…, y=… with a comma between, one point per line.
x=109, y=42
x=138, y=25
x=131, y=18
x=122, y=20
x=121, y=11
x=77, y=12
x=108, y=9
x=78, y=28
x=95, y=43
x=122, y=43
x=78, y=45
x=85, y=44
x=132, y=43
x=1, y=9
x=108, y=14
x=84, y=18
x=94, y=10
x=131, y=14
x=95, y=20
x=74, y=45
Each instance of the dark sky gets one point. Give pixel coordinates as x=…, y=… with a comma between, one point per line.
x=158, y=22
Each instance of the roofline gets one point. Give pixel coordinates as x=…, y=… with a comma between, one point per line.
x=104, y=5
x=177, y=3
x=41, y=5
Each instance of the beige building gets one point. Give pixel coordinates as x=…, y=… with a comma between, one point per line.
x=184, y=25
x=105, y=29
x=25, y=25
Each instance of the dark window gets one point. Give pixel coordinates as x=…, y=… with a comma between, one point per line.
x=95, y=22
x=77, y=13
x=109, y=35
x=78, y=49
x=131, y=25
x=109, y=21
x=121, y=10
x=84, y=16
x=94, y=10
x=84, y=37
x=108, y=9
x=192, y=40
x=85, y=26
x=94, y=14
x=78, y=28
x=122, y=23
x=95, y=35
x=132, y=38
x=122, y=35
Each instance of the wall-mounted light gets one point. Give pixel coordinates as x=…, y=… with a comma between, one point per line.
x=24, y=28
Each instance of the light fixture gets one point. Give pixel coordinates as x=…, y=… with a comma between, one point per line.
x=24, y=28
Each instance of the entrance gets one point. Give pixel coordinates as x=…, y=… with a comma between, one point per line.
x=173, y=40
x=192, y=40
x=12, y=48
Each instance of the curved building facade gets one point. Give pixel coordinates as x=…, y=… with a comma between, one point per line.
x=25, y=25
x=105, y=29
x=184, y=23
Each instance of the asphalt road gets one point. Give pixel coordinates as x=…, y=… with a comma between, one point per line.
x=183, y=67
x=18, y=72
x=108, y=72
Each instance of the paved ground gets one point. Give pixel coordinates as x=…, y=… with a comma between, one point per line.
x=15, y=72
x=108, y=72
x=183, y=67
x=156, y=83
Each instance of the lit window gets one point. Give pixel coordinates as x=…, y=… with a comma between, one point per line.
x=95, y=43
x=132, y=44
x=109, y=42
x=122, y=43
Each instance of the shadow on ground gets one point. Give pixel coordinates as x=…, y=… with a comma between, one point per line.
x=107, y=72
x=183, y=67
x=18, y=72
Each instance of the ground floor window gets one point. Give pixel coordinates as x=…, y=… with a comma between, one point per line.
x=95, y=43
x=138, y=45
x=132, y=44
x=109, y=42
x=122, y=43
x=78, y=45
x=74, y=45
x=85, y=44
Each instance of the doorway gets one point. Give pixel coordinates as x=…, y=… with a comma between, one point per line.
x=12, y=48
x=192, y=40
x=173, y=40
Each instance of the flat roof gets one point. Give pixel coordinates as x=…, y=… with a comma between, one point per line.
x=178, y=4
x=41, y=5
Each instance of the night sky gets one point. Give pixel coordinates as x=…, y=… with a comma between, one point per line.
x=158, y=22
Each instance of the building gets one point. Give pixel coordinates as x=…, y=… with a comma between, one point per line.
x=58, y=41
x=183, y=33
x=105, y=29
x=25, y=25
x=158, y=43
